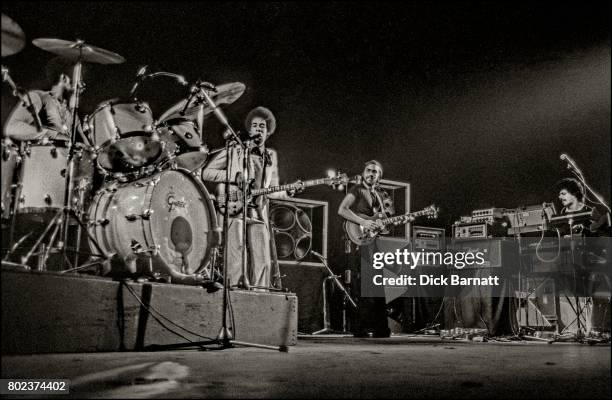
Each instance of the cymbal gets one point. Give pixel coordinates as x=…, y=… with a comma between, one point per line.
x=191, y=161
x=72, y=50
x=13, y=38
x=227, y=93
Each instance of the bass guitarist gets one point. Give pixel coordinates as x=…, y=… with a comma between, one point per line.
x=263, y=271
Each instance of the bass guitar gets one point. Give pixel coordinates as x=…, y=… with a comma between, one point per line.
x=360, y=235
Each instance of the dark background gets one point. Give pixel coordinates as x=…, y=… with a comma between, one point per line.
x=470, y=102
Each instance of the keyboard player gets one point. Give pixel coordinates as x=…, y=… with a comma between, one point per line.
x=589, y=221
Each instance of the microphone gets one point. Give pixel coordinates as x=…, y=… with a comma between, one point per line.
x=192, y=94
x=347, y=277
x=255, y=138
x=570, y=163
x=317, y=254
x=181, y=79
x=139, y=78
x=227, y=134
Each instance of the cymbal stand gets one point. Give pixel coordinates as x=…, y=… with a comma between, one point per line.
x=76, y=82
x=68, y=207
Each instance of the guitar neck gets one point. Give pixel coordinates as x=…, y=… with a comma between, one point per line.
x=281, y=188
x=392, y=220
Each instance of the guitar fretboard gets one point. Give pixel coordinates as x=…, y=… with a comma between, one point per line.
x=280, y=188
x=392, y=220
x=237, y=194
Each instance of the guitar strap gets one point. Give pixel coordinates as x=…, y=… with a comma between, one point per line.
x=374, y=189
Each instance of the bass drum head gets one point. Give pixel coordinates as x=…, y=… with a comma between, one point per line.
x=182, y=221
x=167, y=218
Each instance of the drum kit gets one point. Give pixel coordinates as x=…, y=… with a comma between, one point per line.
x=151, y=212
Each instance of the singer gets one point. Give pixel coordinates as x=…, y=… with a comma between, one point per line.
x=260, y=124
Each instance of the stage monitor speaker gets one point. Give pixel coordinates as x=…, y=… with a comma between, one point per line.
x=299, y=226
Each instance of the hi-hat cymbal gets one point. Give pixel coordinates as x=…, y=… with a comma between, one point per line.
x=74, y=50
x=226, y=93
x=13, y=38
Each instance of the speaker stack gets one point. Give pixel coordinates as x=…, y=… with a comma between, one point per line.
x=300, y=227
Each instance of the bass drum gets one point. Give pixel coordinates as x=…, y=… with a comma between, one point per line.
x=167, y=218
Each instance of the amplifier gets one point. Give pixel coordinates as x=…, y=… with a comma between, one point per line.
x=428, y=238
x=479, y=230
x=487, y=215
x=470, y=231
x=529, y=218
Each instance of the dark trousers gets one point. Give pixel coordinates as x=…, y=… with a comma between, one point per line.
x=371, y=313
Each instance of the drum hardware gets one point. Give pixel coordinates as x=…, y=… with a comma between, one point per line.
x=226, y=93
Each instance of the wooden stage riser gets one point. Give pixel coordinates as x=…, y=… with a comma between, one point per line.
x=46, y=312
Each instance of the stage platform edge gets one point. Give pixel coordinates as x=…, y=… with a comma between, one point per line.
x=49, y=312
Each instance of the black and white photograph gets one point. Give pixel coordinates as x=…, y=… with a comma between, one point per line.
x=230, y=199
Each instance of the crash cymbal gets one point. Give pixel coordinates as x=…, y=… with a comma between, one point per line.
x=226, y=93
x=74, y=50
x=13, y=38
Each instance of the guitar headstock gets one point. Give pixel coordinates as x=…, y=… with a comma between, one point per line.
x=337, y=180
x=431, y=211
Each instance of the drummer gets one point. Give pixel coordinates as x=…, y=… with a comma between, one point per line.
x=51, y=106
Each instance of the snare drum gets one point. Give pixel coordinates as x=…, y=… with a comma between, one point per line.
x=43, y=179
x=10, y=161
x=167, y=218
x=125, y=138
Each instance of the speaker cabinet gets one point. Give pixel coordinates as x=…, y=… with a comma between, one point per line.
x=299, y=226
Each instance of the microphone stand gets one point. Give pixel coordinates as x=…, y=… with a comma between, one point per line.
x=333, y=277
x=225, y=336
x=578, y=174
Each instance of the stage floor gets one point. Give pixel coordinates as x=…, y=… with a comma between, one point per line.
x=397, y=367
